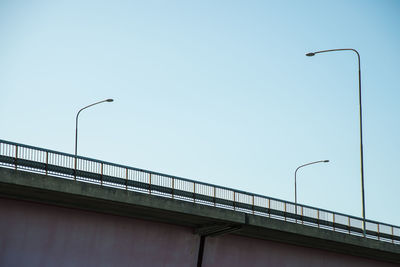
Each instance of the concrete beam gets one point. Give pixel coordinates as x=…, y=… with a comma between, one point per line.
x=217, y=229
x=208, y=220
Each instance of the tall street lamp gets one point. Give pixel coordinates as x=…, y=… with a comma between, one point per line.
x=295, y=178
x=361, y=136
x=76, y=124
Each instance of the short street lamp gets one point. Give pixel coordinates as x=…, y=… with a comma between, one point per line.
x=295, y=177
x=76, y=130
x=76, y=123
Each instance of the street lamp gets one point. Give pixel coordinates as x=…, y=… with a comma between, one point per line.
x=295, y=178
x=361, y=137
x=76, y=124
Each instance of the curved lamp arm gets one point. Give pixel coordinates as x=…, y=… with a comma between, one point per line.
x=295, y=177
x=76, y=121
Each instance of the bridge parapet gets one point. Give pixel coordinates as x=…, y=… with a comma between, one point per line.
x=206, y=220
x=87, y=170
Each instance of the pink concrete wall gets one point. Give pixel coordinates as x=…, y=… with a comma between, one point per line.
x=33, y=234
x=232, y=250
x=40, y=235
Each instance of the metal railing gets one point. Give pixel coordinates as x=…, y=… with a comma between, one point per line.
x=48, y=162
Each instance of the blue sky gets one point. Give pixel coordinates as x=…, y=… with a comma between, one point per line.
x=220, y=92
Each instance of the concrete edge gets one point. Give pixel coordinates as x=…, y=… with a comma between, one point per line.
x=69, y=193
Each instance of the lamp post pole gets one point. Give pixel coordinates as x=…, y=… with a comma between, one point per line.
x=76, y=127
x=360, y=111
x=295, y=179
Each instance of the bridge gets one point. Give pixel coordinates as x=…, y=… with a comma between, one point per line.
x=75, y=211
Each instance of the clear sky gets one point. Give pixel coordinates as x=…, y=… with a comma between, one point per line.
x=216, y=91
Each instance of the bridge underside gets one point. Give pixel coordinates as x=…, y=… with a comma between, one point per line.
x=48, y=221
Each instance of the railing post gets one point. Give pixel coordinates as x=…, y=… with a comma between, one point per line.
x=194, y=192
x=348, y=219
x=173, y=188
x=150, y=183
x=16, y=155
x=302, y=219
x=47, y=161
x=75, y=166
x=318, y=217
x=234, y=201
x=214, y=196
x=284, y=214
x=126, y=176
x=101, y=166
x=392, y=235
x=377, y=227
x=252, y=206
x=333, y=224
x=269, y=207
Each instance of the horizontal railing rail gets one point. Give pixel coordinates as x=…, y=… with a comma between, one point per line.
x=34, y=159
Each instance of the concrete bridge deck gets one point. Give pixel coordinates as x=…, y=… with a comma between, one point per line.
x=205, y=225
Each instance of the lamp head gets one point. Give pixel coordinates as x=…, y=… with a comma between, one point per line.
x=310, y=54
x=327, y=160
x=110, y=100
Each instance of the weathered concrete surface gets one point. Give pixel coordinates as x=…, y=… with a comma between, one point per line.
x=69, y=193
x=41, y=235
x=106, y=200
x=237, y=251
